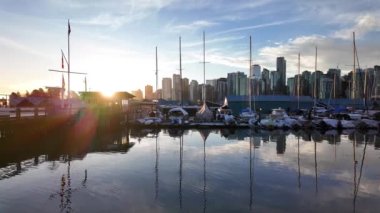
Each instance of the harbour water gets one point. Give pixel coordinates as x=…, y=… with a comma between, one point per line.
x=191, y=171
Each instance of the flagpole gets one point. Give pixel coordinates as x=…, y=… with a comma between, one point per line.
x=68, y=62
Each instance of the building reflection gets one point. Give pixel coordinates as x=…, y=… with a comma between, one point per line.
x=20, y=152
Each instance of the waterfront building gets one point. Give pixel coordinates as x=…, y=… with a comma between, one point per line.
x=274, y=81
x=291, y=86
x=166, y=88
x=158, y=94
x=281, y=69
x=148, y=92
x=376, y=84
x=326, y=87
x=335, y=75
x=194, y=91
x=255, y=71
x=185, y=89
x=221, y=89
x=176, y=92
x=138, y=94
x=237, y=83
x=265, y=77
x=306, y=84
x=315, y=83
x=209, y=93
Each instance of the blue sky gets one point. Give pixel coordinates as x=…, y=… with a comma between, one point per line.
x=114, y=41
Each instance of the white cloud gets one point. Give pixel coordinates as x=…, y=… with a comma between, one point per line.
x=332, y=52
x=363, y=24
x=276, y=23
x=199, y=24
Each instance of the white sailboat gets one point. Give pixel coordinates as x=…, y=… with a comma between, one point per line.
x=178, y=115
x=204, y=114
x=248, y=115
x=155, y=116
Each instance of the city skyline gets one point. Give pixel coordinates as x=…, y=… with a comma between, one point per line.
x=113, y=41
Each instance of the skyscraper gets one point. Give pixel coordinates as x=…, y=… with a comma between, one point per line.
x=255, y=71
x=167, y=88
x=185, y=89
x=281, y=68
x=176, y=93
x=237, y=83
x=148, y=92
x=194, y=91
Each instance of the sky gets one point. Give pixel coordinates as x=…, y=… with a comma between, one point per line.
x=114, y=41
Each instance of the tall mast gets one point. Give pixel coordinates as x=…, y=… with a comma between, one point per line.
x=68, y=62
x=204, y=67
x=298, y=79
x=354, y=68
x=180, y=70
x=250, y=73
x=315, y=76
x=156, y=75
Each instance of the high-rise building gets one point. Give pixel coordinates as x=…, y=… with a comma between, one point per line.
x=148, y=92
x=274, y=82
x=255, y=71
x=185, y=89
x=212, y=83
x=306, y=83
x=265, y=77
x=326, y=87
x=334, y=74
x=167, y=88
x=237, y=83
x=138, y=94
x=376, y=84
x=194, y=91
x=315, y=83
x=221, y=89
x=281, y=68
x=176, y=93
x=291, y=86
x=158, y=94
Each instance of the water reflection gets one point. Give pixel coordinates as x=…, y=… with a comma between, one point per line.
x=173, y=170
x=21, y=152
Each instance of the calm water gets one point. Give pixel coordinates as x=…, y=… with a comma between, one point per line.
x=191, y=171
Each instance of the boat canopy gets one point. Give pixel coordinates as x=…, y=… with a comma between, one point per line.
x=204, y=114
x=178, y=110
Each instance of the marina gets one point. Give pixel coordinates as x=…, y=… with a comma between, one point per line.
x=172, y=170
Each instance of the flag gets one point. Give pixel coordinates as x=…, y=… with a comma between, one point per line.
x=69, y=28
x=63, y=83
x=62, y=62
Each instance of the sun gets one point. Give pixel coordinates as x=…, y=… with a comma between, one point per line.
x=108, y=93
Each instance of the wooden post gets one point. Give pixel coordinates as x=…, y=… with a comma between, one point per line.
x=18, y=113
x=35, y=112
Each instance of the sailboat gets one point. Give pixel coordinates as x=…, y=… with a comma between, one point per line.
x=247, y=115
x=225, y=115
x=178, y=115
x=204, y=114
x=155, y=116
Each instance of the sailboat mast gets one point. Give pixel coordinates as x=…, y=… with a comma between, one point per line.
x=315, y=76
x=156, y=75
x=180, y=70
x=68, y=61
x=204, y=67
x=354, y=68
x=298, y=80
x=250, y=73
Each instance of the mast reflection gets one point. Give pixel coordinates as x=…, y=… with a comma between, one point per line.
x=357, y=185
x=156, y=183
